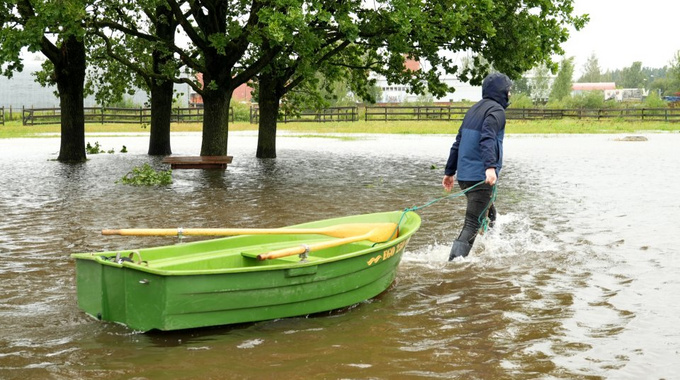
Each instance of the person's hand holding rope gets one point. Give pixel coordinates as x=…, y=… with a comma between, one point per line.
x=491, y=176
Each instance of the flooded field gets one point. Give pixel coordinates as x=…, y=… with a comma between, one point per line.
x=579, y=278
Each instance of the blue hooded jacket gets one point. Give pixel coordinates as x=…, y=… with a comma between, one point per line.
x=479, y=143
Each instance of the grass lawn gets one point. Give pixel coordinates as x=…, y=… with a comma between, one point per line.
x=14, y=129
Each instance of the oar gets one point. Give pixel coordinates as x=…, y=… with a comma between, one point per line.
x=384, y=231
x=380, y=234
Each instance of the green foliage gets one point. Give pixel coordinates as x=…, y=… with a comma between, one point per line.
x=563, y=83
x=586, y=99
x=125, y=102
x=674, y=70
x=541, y=83
x=93, y=149
x=97, y=149
x=132, y=42
x=521, y=86
x=379, y=40
x=591, y=71
x=521, y=101
x=241, y=111
x=145, y=175
x=654, y=101
x=632, y=77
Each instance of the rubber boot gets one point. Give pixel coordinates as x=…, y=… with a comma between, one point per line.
x=460, y=249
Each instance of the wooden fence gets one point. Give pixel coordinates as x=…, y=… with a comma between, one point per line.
x=2, y=115
x=325, y=115
x=446, y=113
x=104, y=115
x=412, y=113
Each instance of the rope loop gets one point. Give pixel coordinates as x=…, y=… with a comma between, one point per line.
x=454, y=195
x=483, y=219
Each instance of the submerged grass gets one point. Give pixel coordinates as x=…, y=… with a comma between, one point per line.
x=14, y=129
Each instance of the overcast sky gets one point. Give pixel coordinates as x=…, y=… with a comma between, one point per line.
x=621, y=32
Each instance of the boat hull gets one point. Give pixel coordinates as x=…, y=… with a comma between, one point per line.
x=218, y=282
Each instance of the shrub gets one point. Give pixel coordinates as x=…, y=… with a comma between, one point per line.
x=587, y=99
x=654, y=101
x=145, y=175
x=96, y=149
x=521, y=101
x=241, y=111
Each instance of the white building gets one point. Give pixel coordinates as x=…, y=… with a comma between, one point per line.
x=23, y=91
x=400, y=93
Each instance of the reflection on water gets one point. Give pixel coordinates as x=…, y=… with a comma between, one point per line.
x=576, y=280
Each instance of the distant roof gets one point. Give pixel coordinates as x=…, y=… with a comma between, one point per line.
x=412, y=64
x=593, y=86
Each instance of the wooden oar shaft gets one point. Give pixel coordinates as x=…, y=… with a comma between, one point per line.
x=207, y=231
x=380, y=231
x=312, y=247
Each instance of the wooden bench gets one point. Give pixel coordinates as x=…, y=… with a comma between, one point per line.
x=198, y=162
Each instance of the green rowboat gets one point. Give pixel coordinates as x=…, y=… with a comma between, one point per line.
x=330, y=264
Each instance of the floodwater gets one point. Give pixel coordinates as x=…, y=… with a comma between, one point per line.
x=579, y=278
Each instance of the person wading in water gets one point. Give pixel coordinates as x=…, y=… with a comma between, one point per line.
x=477, y=155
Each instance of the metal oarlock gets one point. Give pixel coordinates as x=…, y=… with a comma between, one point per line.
x=305, y=254
x=179, y=235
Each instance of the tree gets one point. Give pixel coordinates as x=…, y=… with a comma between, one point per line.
x=591, y=71
x=323, y=56
x=300, y=54
x=632, y=77
x=563, y=83
x=522, y=86
x=380, y=39
x=541, y=83
x=217, y=43
x=56, y=30
x=220, y=34
x=137, y=46
x=674, y=75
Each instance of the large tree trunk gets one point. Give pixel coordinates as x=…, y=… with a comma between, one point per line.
x=269, y=111
x=161, y=113
x=70, y=77
x=215, y=122
x=161, y=92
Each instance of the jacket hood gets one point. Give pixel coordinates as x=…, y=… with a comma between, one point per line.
x=496, y=87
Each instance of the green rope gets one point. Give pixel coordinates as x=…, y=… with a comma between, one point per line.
x=484, y=224
x=484, y=217
x=454, y=195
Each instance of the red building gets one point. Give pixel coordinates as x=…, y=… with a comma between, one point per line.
x=241, y=94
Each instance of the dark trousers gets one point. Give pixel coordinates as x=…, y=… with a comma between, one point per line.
x=478, y=208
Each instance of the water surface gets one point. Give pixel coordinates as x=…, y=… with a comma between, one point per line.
x=577, y=280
